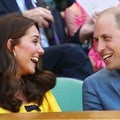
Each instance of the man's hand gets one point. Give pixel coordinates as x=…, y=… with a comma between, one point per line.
x=41, y=15
x=88, y=28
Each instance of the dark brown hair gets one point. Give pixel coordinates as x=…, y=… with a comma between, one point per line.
x=34, y=87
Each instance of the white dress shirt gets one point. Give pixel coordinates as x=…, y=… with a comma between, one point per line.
x=22, y=7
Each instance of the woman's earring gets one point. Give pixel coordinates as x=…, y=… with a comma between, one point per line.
x=14, y=53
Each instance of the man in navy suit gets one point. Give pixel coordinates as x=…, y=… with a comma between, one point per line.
x=64, y=59
x=101, y=91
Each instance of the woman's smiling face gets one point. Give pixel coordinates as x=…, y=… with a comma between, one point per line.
x=28, y=51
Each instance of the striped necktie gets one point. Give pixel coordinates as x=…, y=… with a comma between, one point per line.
x=28, y=4
x=53, y=27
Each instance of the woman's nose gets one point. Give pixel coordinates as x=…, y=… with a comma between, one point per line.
x=40, y=50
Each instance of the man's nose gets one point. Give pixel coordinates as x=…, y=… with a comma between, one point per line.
x=100, y=46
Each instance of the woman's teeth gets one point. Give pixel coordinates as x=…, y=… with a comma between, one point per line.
x=34, y=59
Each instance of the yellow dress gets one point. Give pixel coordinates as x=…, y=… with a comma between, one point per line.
x=49, y=105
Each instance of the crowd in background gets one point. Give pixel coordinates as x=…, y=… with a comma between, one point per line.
x=69, y=40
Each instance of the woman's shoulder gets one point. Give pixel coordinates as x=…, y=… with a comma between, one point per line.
x=2, y=110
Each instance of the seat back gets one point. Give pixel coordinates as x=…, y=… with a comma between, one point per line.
x=68, y=93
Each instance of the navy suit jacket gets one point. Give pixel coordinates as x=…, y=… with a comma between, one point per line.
x=101, y=91
x=10, y=6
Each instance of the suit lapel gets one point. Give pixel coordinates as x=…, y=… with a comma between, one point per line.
x=11, y=5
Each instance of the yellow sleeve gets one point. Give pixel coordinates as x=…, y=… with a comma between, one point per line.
x=49, y=103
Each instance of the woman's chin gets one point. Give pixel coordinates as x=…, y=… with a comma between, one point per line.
x=32, y=71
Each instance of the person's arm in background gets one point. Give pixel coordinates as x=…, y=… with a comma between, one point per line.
x=79, y=25
x=42, y=15
x=83, y=36
x=86, y=30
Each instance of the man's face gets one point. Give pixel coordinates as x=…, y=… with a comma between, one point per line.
x=107, y=37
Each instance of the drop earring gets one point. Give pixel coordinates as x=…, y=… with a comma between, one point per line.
x=14, y=53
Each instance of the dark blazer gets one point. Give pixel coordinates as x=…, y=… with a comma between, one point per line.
x=10, y=6
x=101, y=91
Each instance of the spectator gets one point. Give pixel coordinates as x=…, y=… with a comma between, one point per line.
x=74, y=22
x=58, y=58
x=101, y=90
x=23, y=84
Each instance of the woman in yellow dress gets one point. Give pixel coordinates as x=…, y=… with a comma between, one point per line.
x=24, y=87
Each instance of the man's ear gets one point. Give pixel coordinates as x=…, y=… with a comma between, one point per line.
x=9, y=44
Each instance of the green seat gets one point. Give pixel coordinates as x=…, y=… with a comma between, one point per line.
x=68, y=93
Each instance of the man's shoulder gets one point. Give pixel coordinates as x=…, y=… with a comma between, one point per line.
x=99, y=76
x=100, y=73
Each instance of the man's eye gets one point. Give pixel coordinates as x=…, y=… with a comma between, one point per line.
x=95, y=39
x=107, y=37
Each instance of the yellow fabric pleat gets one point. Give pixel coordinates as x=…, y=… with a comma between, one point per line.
x=49, y=105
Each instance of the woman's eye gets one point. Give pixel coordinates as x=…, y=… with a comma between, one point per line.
x=35, y=41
